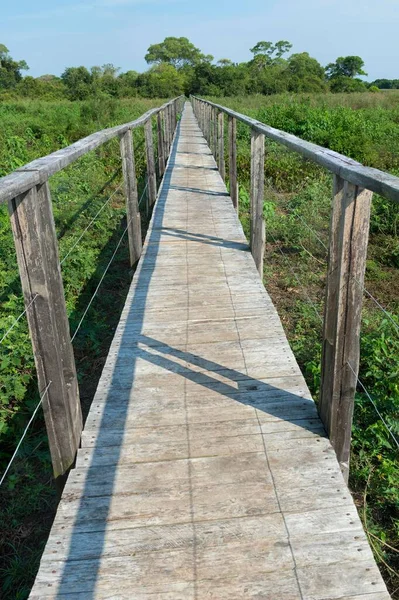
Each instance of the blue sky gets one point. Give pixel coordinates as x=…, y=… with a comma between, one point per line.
x=53, y=34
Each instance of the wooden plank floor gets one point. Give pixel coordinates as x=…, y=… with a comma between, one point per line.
x=204, y=471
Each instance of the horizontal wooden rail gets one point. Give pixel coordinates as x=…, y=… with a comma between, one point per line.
x=377, y=181
x=349, y=228
x=39, y=170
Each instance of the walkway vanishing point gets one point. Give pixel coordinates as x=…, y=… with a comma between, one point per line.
x=204, y=471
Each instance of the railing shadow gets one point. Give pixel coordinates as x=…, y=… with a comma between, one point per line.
x=182, y=188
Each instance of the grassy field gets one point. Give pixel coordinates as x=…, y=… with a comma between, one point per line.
x=297, y=213
x=298, y=196
x=29, y=130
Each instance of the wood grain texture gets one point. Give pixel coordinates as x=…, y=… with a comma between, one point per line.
x=161, y=144
x=150, y=158
x=132, y=206
x=233, y=183
x=344, y=295
x=203, y=454
x=220, y=139
x=40, y=272
x=257, y=197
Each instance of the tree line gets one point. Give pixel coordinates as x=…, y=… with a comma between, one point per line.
x=176, y=67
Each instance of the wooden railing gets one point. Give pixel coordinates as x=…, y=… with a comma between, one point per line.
x=28, y=195
x=349, y=228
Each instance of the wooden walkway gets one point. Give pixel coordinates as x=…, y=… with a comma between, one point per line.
x=204, y=471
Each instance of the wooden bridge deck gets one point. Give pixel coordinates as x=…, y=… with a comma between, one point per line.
x=204, y=471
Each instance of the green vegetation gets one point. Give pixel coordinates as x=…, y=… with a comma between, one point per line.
x=297, y=211
x=31, y=129
x=177, y=67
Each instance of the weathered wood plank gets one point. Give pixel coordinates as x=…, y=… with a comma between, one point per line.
x=132, y=206
x=257, y=197
x=344, y=294
x=161, y=144
x=233, y=183
x=39, y=267
x=220, y=139
x=150, y=158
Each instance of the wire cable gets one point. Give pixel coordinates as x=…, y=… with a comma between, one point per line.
x=91, y=223
x=142, y=195
x=18, y=319
x=310, y=229
x=297, y=279
x=104, y=273
x=24, y=433
x=386, y=313
x=349, y=365
x=374, y=404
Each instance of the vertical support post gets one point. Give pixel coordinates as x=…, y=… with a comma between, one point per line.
x=35, y=240
x=221, y=161
x=233, y=161
x=132, y=199
x=257, y=194
x=343, y=306
x=215, y=133
x=167, y=133
x=209, y=124
x=161, y=144
x=174, y=120
x=149, y=147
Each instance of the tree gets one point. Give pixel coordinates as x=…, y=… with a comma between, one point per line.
x=305, y=74
x=281, y=48
x=105, y=79
x=271, y=51
x=265, y=48
x=128, y=84
x=346, y=84
x=386, y=84
x=225, y=62
x=345, y=66
x=161, y=81
x=10, y=70
x=178, y=52
x=78, y=81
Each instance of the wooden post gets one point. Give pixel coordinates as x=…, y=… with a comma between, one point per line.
x=167, y=133
x=233, y=161
x=174, y=115
x=132, y=206
x=208, y=124
x=215, y=133
x=161, y=145
x=149, y=147
x=343, y=306
x=35, y=240
x=257, y=194
x=221, y=161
